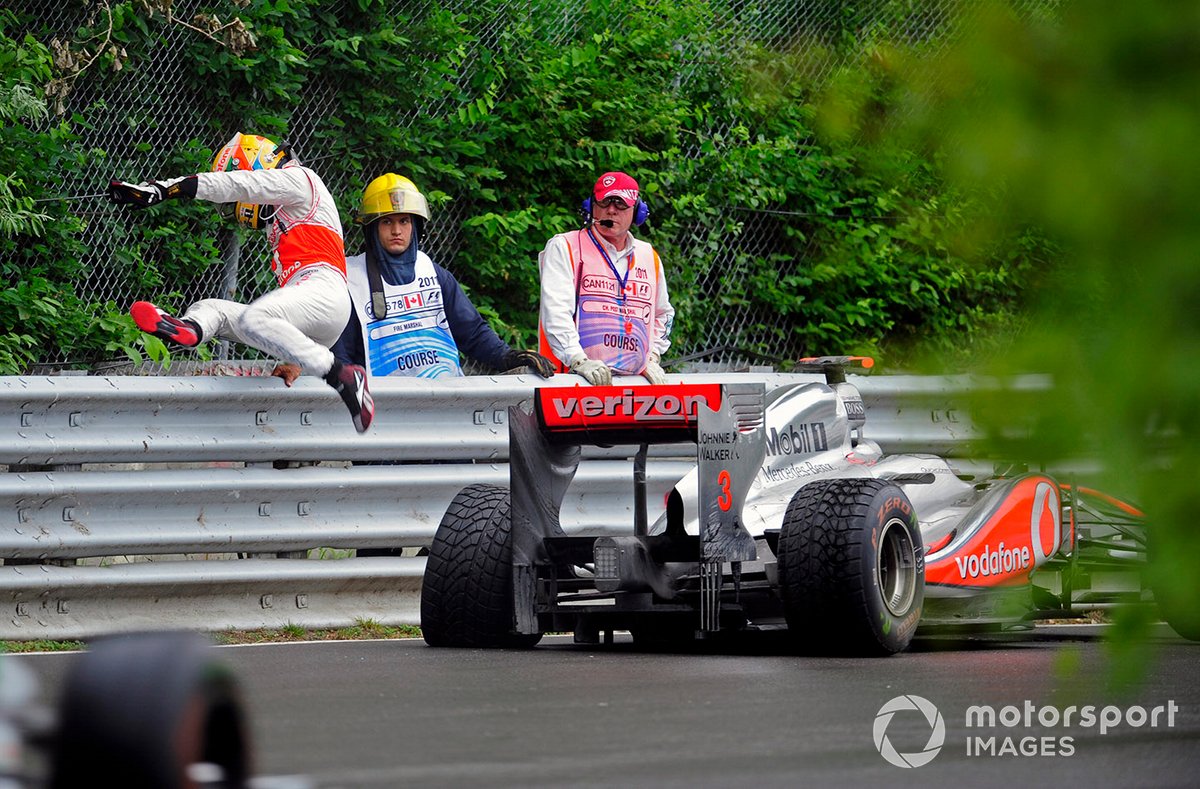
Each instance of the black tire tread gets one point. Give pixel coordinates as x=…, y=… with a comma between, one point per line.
x=820, y=567
x=466, y=594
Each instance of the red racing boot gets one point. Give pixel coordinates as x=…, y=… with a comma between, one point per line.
x=165, y=326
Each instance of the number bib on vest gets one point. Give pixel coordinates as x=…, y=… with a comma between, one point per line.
x=615, y=327
x=414, y=339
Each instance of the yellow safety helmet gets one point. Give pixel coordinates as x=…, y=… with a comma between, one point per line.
x=251, y=152
x=391, y=194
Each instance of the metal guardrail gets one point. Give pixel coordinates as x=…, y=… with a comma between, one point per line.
x=135, y=419
x=82, y=514
x=156, y=473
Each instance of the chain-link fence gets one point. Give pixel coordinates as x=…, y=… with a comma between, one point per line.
x=157, y=102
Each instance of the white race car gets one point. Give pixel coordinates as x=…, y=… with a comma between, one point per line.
x=792, y=519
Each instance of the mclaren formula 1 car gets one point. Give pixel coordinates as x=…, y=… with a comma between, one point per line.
x=792, y=519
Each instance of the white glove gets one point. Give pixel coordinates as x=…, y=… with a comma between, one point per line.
x=596, y=373
x=654, y=371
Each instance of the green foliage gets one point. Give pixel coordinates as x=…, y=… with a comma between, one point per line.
x=759, y=166
x=370, y=628
x=1085, y=128
x=360, y=630
x=40, y=645
x=32, y=298
x=18, y=101
x=293, y=630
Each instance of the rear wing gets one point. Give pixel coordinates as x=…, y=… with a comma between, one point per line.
x=725, y=421
x=610, y=415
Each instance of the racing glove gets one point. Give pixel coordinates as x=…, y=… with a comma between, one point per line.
x=540, y=364
x=150, y=193
x=596, y=373
x=654, y=371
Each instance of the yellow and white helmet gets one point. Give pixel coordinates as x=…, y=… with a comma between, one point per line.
x=251, y=152
x=391, y=194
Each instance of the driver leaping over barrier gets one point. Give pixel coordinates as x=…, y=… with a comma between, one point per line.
x=299, y=321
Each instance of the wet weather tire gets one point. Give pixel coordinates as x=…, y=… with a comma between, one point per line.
x=466, y=595
x=851, y=567
x=1180, y=615
x=139, y=711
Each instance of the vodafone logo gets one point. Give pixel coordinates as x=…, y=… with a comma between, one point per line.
x=989, y=562
x=1047, y=514
x=1014, y=554
x=608, y=180
x=937, y=733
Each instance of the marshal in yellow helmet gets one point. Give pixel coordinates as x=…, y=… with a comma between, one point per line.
x=391, y=194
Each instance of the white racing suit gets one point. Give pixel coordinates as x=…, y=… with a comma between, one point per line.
x=306, y=314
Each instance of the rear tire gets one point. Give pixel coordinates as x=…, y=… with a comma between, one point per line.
x=466, y=594
x=1181, y=617
x=1171, y=577
x=851, y=567
x=139, y=710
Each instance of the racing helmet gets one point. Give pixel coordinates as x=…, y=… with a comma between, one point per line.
x=391, y=194
x=251, y=152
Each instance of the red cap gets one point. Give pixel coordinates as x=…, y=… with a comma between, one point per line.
x=616, y=185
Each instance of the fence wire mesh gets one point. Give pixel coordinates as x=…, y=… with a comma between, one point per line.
x=155, y=112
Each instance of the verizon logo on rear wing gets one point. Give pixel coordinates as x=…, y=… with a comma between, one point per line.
x=662, y=413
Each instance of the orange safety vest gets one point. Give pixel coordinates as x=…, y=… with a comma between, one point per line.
x=614, y=315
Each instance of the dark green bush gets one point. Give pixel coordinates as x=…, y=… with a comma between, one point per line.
x=782, y=231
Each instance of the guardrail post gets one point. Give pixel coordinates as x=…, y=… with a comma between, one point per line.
x=68, y=512
x=264, y=508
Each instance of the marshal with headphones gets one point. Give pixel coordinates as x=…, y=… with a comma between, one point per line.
x=618, y=185
x=641, y=212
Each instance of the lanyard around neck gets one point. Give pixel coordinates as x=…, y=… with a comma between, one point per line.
x=620, y=280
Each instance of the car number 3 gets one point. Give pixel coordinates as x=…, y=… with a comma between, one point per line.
x=725, y=498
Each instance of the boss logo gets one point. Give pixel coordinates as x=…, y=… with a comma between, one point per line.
x=855, y=409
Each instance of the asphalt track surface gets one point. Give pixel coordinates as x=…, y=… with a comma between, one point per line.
x=398, y=713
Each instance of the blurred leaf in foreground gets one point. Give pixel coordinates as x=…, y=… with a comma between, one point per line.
x=1082, y=120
